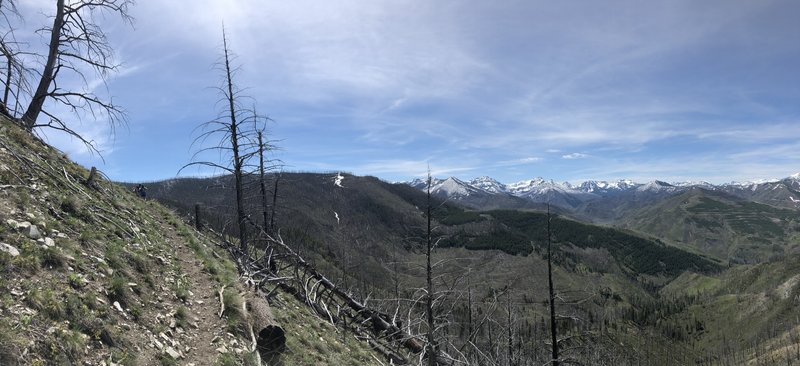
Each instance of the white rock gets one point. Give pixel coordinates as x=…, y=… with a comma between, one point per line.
x=118, y=307
x=13, y=223
x=10, y=249
x=34, y=233
x=173, y=353
x=23, y=225
x=49, y=242
x=30, y=215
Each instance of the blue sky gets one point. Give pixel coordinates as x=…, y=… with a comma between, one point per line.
x=568, y=90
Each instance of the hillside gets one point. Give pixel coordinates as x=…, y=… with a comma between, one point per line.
x=722, y=225
x=364, y=233
x=92, y=274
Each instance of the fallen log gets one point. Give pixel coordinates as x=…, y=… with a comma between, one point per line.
x=270, y=336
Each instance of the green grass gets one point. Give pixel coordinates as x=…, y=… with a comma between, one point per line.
x=233, y=311
x=313, y=341
x=118, y=290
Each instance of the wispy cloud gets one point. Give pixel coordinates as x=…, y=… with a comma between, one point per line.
x=384, y=88
x=574, y=156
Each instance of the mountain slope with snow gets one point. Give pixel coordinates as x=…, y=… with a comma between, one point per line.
x=603, y=200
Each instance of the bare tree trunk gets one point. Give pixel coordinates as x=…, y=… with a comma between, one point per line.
x=431, y=351
x=10, y=60
x=274, y=203
x=197, y=224
x=509, y=326
x=237, y=160
x=261, y=179
x=48, y=73
x=553, y=333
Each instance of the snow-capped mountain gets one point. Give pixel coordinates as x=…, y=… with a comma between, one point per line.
x=657, y=186
x=779, y=192
x=454, y=188
x=488, y=184
x=606, y=188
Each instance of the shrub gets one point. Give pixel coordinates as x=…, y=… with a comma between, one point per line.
x=118, y=290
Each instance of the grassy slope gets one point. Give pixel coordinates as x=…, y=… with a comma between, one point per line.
x=57, y=303
x=722, y=225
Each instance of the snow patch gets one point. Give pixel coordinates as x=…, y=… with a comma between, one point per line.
x=337, y=181
x=337, y=216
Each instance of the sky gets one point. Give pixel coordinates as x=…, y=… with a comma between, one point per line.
x=568, y=90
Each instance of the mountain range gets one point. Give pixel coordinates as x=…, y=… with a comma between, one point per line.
x=579, y=198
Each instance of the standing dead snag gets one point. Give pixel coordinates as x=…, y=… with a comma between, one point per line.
x=15, y=80
x=430, y=348
x=553, y=331
x=90, y=182
x=76, y=43
x=235, y=127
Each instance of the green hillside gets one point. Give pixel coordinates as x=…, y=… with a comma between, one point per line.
x=92, y=274
x=372, y=249
x=721, y=225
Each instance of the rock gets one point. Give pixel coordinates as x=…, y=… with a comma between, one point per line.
x=12, y=223
x=17, y=293
x=222, y=350
x=10, y=249
x=33, y=232
x=158, y=344
x=49, y=242
x=118, y=307
x=173, y=353
x=98, y=259
x=22, y=225
x=30, y=215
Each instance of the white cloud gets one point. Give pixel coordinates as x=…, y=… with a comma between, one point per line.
x=574, y=156
x=521, y=161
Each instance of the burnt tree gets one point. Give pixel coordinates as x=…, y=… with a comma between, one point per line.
x=76, y=42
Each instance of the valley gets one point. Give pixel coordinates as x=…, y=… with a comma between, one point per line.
x=643, y=288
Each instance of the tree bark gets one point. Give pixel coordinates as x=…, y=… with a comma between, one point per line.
x=37, y=101
x=270, y=336
x=553, y=332
x=431, y=347
x=261, y=179
x=237, y=160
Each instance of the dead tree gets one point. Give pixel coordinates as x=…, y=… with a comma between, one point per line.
x=261, y=183
x=274, y=203
x=235, y=127
x=264, y=166
x=76, y=43
x=16, y=74
x=553, y=331
x=430, y=348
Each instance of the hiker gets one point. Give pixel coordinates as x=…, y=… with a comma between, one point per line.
x=141, y=190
